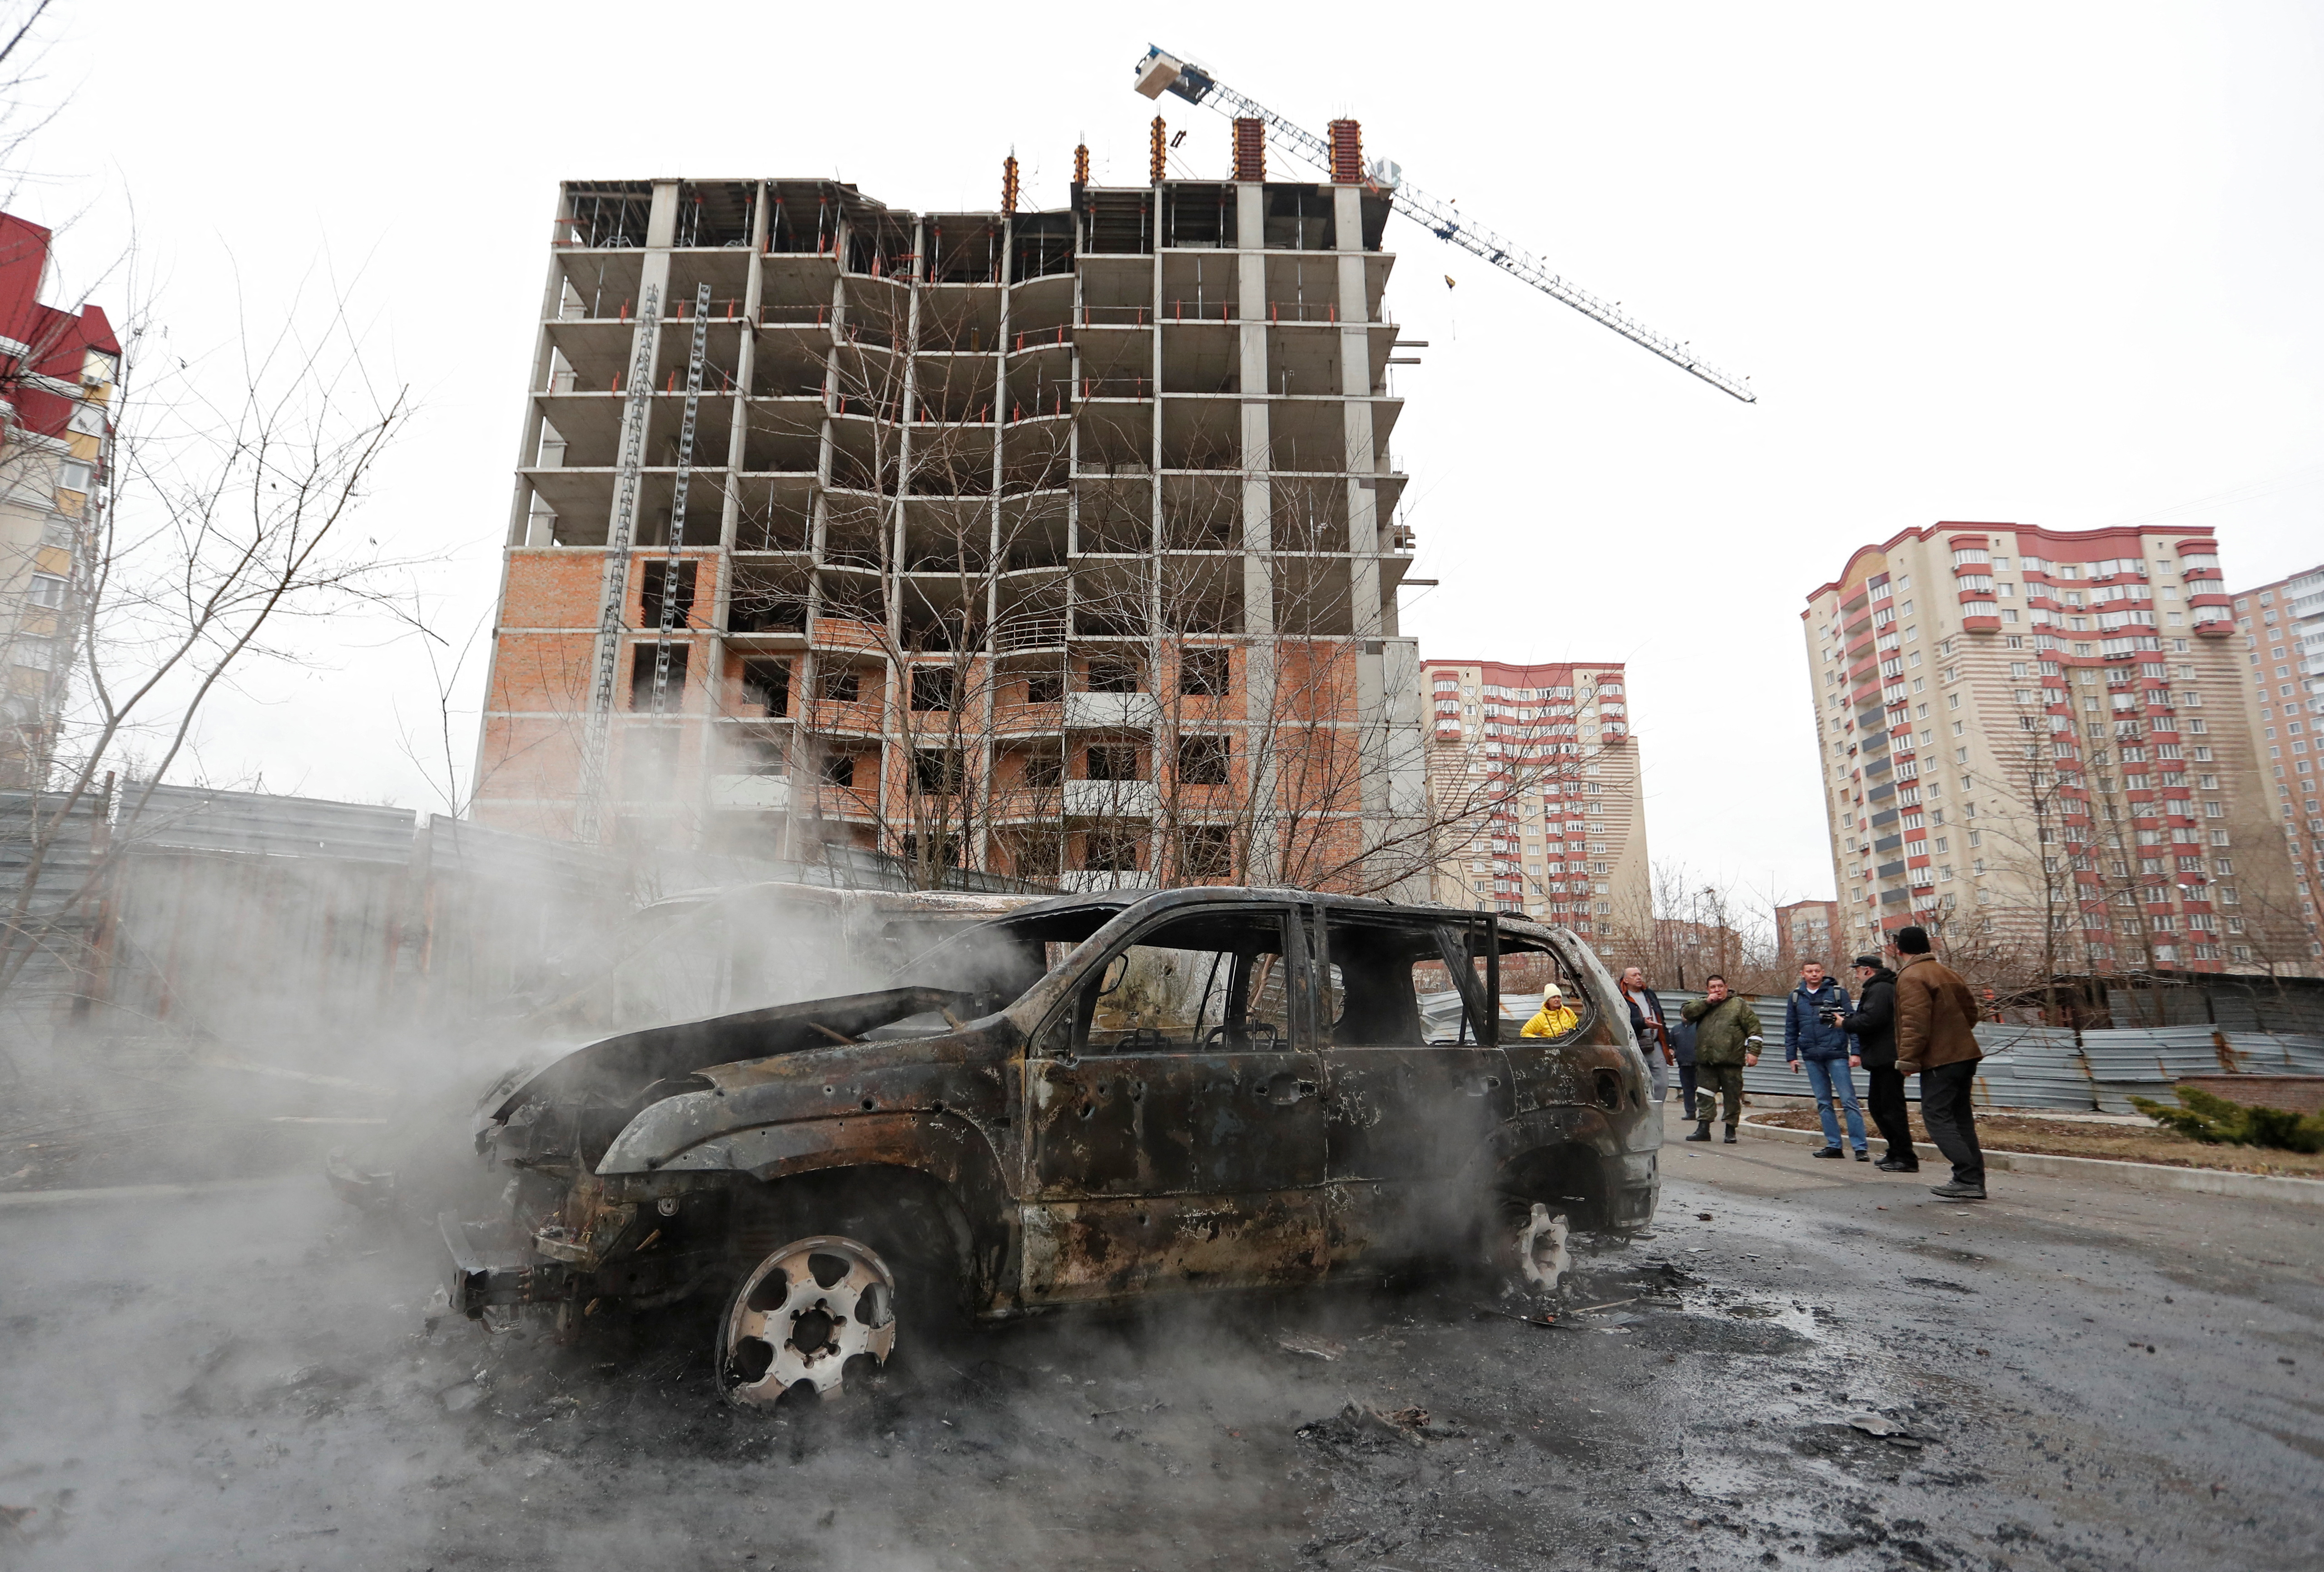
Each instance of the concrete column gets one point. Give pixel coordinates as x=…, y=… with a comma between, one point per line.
x=1356, y=390
x=1259, y=667
x=528, y=442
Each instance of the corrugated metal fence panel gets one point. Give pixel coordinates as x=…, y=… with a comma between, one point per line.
x=2152, y=1053
x=2278, y=1053
x=195, y=819
x=64, y=868
x=2142, y=1062
x=1440, y=1013
x=2032, y=1066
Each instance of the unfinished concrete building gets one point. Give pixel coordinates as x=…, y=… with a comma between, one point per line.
x=1053, y=543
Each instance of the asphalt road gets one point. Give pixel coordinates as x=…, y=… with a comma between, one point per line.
x=2076, y=1377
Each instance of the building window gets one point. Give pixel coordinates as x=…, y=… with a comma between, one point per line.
x=1202, y=670
x=642, y=664
x=650, y=595
x=1110, y=761
x=932, y=687
x=1206, y=851
x=1112, y=676
x=1109, y=851
x=1201, y=760
x=767, y=686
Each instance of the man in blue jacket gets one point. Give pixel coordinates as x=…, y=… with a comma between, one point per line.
x=1813, y=1037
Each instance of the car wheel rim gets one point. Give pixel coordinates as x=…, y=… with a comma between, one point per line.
x=804, y=1315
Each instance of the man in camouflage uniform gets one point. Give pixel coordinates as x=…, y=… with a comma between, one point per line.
x=1726, y=1039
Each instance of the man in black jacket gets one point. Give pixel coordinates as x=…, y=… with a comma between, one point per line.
x=1874, y=1026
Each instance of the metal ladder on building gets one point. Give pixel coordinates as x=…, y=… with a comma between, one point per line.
x=597, y=727
x=635, y=422
x=671, y=564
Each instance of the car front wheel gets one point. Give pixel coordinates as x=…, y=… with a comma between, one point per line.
x=816, y=1318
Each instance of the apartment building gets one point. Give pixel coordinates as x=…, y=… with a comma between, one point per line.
x=1810, y=930
x=1055, y=544
x=1534, y=772
x=2282, y=626
x=58, y=366
x=2036, y=742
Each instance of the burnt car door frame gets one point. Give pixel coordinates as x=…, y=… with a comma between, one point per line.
x=1410, y=1122
x=1173, y=1166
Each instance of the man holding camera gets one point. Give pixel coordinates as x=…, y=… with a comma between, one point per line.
x=1873, y=1027
x=1813, y=1037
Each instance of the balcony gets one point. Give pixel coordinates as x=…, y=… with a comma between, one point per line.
x=1111, y=799
x=1113, y=711
x=761, y=793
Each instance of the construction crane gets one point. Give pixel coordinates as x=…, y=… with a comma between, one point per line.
x=1160, y=72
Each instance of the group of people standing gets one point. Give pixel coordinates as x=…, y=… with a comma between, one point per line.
x=1918, y=1018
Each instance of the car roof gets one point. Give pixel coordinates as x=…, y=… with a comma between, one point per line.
x=1121, y=899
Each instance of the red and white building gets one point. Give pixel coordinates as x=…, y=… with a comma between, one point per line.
x=1533, y=770
x=2026, y=730
x=57, y=369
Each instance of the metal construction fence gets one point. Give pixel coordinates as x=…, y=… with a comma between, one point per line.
x=2057, y=1068
x=239, y=915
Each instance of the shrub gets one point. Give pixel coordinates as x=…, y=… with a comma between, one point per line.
x=2203, y=1116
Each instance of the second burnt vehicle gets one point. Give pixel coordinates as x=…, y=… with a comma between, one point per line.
x=1093, y=1099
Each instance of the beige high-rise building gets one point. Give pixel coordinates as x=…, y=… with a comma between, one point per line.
x=2036, y=743
x=1534, y=772
x=2282, y=626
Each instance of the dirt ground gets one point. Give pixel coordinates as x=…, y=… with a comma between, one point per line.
x=2075, y=1138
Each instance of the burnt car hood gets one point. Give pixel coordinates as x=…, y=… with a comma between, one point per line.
x=619, y=1068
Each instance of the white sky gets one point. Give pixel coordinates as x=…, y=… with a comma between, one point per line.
x=2054, y=264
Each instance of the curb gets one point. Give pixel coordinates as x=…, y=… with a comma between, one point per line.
x=2212, y=1181
x=36, y=1200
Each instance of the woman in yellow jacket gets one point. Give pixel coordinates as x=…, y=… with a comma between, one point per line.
x=1554, y=1019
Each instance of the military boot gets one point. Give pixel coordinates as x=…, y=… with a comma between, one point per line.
x=1701, y=1131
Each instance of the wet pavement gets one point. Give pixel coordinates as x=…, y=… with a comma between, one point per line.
x=1807, y=1363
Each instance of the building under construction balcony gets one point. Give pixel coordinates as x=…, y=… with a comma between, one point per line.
x=1059, y=544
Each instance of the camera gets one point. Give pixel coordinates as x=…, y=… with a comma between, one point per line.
x=1832, y=1017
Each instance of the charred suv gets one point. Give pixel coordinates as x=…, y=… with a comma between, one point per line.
x=1089, y=1099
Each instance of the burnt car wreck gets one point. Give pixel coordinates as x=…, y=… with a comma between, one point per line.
x=1089, y=1099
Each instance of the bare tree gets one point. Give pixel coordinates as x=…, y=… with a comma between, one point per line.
x=219, y=523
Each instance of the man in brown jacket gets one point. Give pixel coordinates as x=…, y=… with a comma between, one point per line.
x=1936, y=1020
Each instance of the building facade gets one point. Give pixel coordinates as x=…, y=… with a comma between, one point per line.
x=1534, y=775
x=1059, y=544
x=59, y=367
x=2036, y=742
x=2282, y=626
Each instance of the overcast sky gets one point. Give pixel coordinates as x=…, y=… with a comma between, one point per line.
x=2052, y=264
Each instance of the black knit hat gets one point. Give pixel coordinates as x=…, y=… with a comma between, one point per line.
x=1912, y=941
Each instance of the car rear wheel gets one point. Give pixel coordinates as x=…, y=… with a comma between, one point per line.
x=817, y=1319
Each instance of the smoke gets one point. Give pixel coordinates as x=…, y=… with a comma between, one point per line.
x=254, y=1373
x=256, y=1378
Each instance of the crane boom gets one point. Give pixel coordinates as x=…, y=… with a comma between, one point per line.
x=1160, y=71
